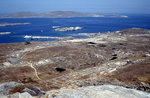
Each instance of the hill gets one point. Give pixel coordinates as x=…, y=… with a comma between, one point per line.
x=56, y=14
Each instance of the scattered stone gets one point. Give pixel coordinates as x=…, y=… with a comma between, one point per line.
x=113, y=48
x=43, y=62
x=144, y=88
x=13, y=61
x=61, y=58
x=38, y=91
x=31, y=92
x=129, y=62
x=121, y=63
x=7, y=64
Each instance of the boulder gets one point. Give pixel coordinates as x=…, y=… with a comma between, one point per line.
x=103, y=91
x=6, y=87
x=38, y=91
x=13, y=61
x=20, y=95
x=31, y=92
x=61, y=58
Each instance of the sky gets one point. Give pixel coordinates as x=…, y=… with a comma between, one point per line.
x=91, y=6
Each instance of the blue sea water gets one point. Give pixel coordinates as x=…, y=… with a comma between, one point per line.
x=91, y=25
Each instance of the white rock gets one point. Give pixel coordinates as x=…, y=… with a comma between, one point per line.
x=20, y=95
x=6, y=87
x=43, y=62
x=120, y=63
x=104, y=91
x=7, y=64
x=147, y=54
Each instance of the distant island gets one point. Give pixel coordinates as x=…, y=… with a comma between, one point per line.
x=4, y=33
x=12, y=24
x=57, y=14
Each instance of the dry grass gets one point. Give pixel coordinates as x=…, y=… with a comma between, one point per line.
x=136, y=73
x=18, y=88
x=77, y=58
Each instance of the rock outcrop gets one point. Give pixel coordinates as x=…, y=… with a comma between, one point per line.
x=7, y=86
x=104, y=91
x=16, y=89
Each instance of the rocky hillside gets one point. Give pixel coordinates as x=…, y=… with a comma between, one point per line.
x=118, y=58
x=104, y=91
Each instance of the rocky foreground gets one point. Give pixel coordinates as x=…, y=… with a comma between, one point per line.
x=73, y=68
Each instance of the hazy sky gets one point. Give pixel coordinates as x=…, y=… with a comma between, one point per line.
x=101, y=6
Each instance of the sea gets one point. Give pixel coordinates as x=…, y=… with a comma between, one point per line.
x=45, y=26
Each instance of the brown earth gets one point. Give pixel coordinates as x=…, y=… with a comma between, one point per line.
x=135, y=73
x=125, y=63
